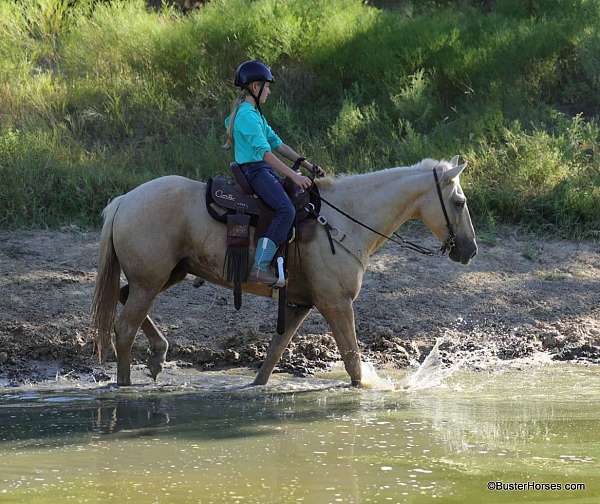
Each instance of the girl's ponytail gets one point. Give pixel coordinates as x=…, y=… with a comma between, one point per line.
x=234, y=108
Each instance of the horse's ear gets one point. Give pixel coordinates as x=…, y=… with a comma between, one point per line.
x=456, y=169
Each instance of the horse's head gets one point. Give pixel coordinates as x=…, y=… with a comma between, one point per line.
x=462, y=246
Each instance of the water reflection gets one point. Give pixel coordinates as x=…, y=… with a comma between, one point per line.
x=142, y=418
x=285, y=445
x=194, y=416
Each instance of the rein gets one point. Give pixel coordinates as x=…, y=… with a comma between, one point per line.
x=403, y=242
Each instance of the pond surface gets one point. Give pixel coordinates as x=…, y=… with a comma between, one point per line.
x=210, y=438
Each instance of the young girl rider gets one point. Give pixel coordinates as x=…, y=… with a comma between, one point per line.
x=253, y=143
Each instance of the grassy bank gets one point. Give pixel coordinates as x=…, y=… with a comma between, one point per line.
x=97, y=98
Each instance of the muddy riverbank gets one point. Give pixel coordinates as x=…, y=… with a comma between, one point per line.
x=521, y=295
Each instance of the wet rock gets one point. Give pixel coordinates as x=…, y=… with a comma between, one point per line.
x=393, y=359
x=101, y=376
x=380, y=338
x=312, y=351
x=205, y=355
x=316, y=350
x=231, y=355
x=514, y=350
x=551, y=340
x=253, y=353
x=584, y=351
x=3, y=357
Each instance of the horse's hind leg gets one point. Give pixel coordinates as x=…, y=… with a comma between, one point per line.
x=158, y=343
x=136, y=308
x=294, y=317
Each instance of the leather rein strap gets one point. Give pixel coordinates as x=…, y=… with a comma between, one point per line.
x=403, y=242
x=297, y=163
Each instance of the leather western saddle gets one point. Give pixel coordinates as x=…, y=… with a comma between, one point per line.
x=233, y=201
x=226, y=196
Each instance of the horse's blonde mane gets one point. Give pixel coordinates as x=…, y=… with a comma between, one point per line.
x=423, y=165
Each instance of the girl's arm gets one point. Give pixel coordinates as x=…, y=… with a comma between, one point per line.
x=273, y=161
x=287, y=152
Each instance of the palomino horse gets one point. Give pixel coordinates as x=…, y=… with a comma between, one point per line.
x=160, y=231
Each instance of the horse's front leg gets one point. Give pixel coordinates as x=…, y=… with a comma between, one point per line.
x=294, y=317
x=340, y=317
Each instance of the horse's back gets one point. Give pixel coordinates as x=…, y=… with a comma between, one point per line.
x=159, y=203
x=152, y=222
x=163, y=186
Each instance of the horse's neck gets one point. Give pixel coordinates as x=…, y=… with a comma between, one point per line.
x=383, y=200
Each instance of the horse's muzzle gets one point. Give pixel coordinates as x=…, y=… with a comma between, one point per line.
x=463, y=253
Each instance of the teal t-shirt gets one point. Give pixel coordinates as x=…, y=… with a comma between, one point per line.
x=252, y=135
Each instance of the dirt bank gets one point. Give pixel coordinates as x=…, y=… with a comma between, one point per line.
x=520, y=295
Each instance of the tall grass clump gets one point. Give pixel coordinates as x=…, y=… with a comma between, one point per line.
x=549, y=181
x=97, y=97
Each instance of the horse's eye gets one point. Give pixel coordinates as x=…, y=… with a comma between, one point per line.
x=460, y=204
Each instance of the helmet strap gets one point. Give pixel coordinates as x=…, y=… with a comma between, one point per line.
x=257, y=97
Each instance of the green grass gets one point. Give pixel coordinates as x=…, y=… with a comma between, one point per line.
x=97, y=98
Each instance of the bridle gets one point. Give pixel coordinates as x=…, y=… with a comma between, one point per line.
x=447, y=245
x=450, y=241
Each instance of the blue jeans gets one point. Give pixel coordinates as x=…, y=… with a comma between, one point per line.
x=269, y=188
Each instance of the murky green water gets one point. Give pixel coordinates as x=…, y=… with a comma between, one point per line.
x=213, y=440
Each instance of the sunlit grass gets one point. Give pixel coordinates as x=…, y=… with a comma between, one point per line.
x=97, y=98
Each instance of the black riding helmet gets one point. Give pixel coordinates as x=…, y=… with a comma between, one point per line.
x=252, y=71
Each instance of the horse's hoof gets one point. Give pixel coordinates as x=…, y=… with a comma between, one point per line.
x=155, y=370
x=155, y=363
x=356, y=383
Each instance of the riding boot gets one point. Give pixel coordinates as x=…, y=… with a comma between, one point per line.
x=261, y=271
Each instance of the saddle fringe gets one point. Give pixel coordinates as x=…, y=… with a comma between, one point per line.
x=237, y=271
x=235, y=266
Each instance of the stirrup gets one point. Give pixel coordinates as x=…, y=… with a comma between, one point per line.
x=281, y=280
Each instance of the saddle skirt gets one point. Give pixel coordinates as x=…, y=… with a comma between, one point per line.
x=224, y=196
x=227, y=195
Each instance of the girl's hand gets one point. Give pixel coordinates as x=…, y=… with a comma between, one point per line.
x=302, y=181
x=318, y=171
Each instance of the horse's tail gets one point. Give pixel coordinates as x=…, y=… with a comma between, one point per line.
x=106, y=293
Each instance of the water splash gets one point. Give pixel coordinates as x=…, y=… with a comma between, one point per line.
x=371, y=380
x=431, y=373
